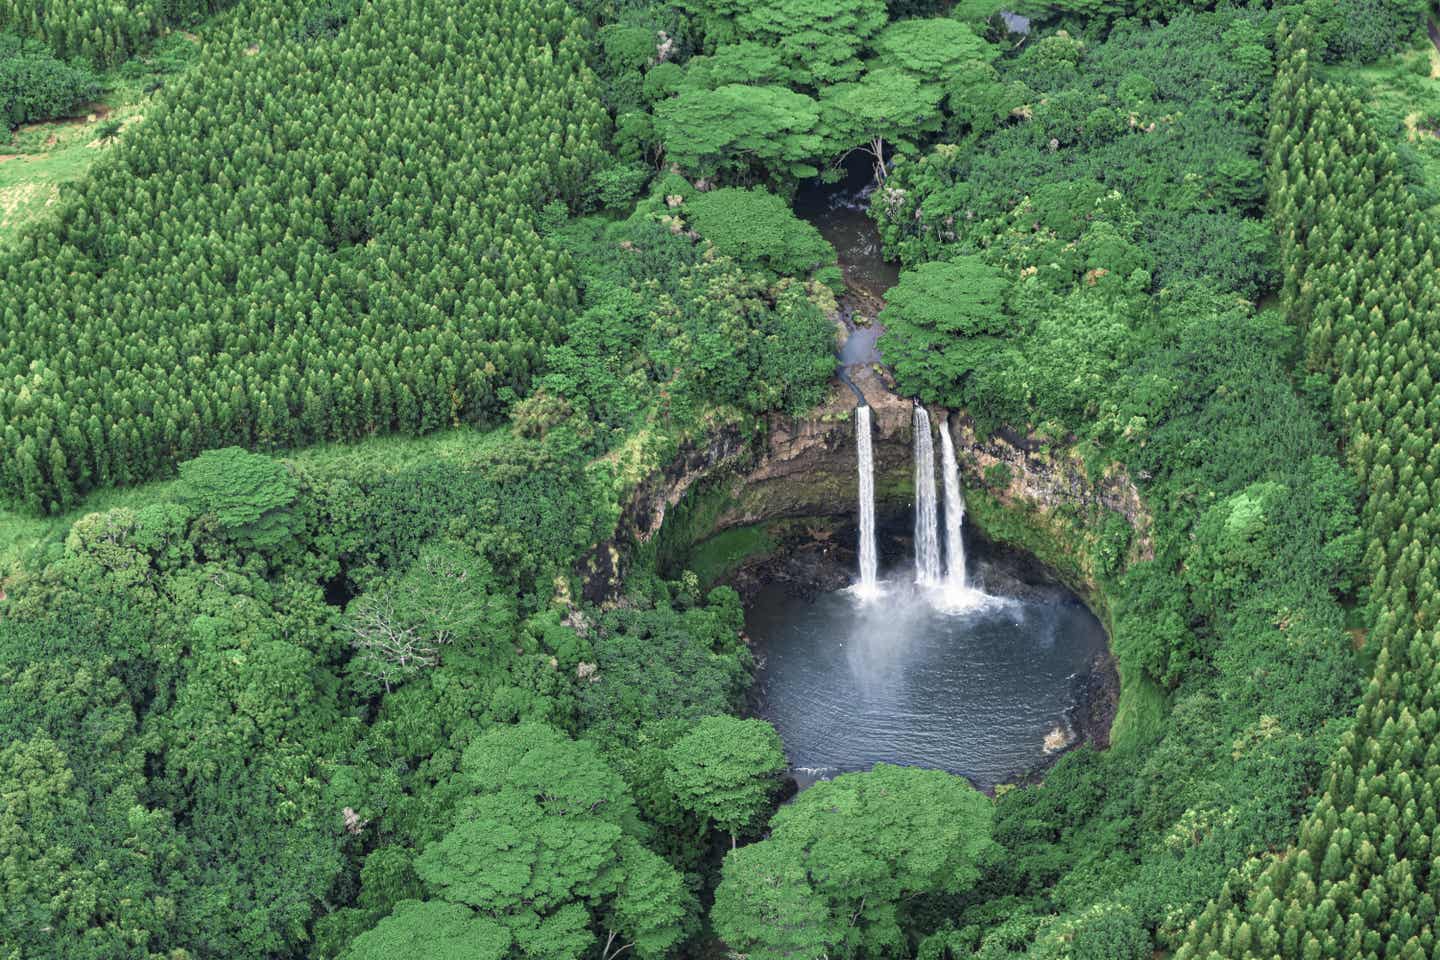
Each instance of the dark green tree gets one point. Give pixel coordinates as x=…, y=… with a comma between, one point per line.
x=546, y=856
x=847, y=860
x=820, y=42
x=943, y=321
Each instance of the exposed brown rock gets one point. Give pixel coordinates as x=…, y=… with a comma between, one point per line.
x=804, y=467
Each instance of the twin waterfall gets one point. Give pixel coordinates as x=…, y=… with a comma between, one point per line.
x=928, y=569
x=869, y=585
x=954, y=514
x=927, y=534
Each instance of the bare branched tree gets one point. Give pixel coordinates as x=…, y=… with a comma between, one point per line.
x=389, y=649
x=398, y=629
x=453, y=604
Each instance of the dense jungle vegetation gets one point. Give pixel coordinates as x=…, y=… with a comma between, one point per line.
x=326, y=387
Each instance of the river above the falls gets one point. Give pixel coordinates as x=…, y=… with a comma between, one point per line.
x=987, y=692
x=838, y=211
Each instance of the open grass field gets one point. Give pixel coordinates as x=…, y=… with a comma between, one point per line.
x=38, y=158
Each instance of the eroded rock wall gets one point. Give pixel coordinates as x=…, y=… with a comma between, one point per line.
x=804, y=467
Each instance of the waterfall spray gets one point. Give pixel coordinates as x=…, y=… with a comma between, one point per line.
x=954, y=513
x=869, y=566
x=927, y=539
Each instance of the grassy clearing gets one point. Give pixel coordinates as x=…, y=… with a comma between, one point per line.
x=466, y=444
x=22, y=534
x=1402, y=94
x=42, y=156
x=37, y=158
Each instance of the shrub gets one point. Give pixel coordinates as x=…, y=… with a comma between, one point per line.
x=1106, y=931
x=35, y=86
x=616, y=187
x=1235, y=542
x=759, y=230
x=1365, y=30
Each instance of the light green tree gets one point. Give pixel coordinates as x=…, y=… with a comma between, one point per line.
x=745, y=62
x=248, y=493
x=946, y=55
x=820, y=40
x=766, y=907
x=886, y=108
x=847, y=859
x=727, y=769
x=1234, y=544
x=931, y=49
x=446, y=596
x=941, y=321
x=759, y=229
x=730, y=110
x=434, y=930
x=734, y=126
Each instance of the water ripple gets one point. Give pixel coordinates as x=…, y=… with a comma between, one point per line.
x=970, y=683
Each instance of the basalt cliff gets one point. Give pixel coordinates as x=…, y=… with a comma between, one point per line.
x=791, y=491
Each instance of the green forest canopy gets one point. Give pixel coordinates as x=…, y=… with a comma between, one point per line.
x=399, y=344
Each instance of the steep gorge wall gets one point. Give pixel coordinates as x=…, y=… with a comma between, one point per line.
x=725, y=502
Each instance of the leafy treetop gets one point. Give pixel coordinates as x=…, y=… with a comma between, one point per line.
x=727, y=769
x=546, y=851
x=848, y=858
x=932, y=48
x=708, y=131
x=941, y=321
x=246, y=492
x=819, y=39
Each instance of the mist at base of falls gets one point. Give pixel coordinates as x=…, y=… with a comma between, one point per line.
x=975, y=689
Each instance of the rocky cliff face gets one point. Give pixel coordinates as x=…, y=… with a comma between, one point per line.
x=804, y=468
x=795, y=489
x=807, y=466
x=1047, y=476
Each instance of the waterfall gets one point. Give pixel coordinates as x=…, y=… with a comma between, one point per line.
x=954, y=512
x=869, y=566
x=927, y=539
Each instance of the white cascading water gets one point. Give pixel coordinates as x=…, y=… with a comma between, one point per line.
x=927, y=535
x=954, y=513
x=869, y=585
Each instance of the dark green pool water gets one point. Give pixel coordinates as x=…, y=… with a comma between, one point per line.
x=973, y=691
